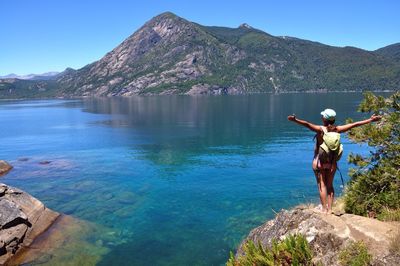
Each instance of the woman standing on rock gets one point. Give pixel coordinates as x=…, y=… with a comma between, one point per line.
x=328, y=151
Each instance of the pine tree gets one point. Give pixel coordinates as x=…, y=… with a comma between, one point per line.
x=374, y=185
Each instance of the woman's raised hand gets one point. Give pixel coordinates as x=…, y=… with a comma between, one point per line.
x=375, y=118
x=291, y=117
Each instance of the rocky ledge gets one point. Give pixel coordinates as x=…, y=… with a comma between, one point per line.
x=22, y=219
x=4, y=167
x=329, y=234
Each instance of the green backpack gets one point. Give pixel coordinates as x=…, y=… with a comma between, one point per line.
x=331, y=149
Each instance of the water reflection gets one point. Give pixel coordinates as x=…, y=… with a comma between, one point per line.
x=173, y=129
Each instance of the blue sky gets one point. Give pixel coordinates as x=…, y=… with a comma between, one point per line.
x=50, y=35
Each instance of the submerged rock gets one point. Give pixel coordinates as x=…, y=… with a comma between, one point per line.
x=22, y=219
x=4, y=167
x=69, y=241
x=329, y=234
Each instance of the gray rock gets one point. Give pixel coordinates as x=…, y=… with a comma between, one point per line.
x=10, y=238
x=3, y=190
x=22, y=219
x=328, y=234
x=4, y=167
x=10, y=214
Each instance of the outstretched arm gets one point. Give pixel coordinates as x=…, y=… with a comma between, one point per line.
x=347, y=127
x=304, y=123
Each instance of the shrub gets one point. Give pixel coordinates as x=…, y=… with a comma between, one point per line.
x=389, y=215
x=355, y=254
x=293, y=250
x=375, y=181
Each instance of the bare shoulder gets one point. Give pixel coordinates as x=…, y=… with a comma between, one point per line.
x=317, y=128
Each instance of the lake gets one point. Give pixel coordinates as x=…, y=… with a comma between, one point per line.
x=170, y=180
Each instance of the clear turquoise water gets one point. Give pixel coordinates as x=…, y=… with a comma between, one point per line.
x=181, y=180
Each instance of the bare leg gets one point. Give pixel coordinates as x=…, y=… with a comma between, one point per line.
x=321, y=182
x=329, y=186
x=317, y=178
x=322, y=189
x=319, y=187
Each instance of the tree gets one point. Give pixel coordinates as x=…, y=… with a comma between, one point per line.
x=374, y=185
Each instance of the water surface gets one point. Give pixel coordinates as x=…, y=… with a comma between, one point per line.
x=174, y=180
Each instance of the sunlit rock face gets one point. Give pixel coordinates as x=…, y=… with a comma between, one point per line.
x=22, y=219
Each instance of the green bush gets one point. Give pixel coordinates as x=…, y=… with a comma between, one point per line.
x=355, y=254
x=375, y=181
x=293, y=250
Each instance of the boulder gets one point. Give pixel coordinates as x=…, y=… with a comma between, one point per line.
x=10, y=214
x=329, y=234
x=22, y=219
x=4, y=167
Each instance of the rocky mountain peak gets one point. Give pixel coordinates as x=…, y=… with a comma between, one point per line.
x=245, y=26
x=166, y=15
x=158, y=42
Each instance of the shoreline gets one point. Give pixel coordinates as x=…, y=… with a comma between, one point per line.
x=197, y=95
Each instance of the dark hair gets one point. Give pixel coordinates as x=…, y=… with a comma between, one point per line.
x=331, y=127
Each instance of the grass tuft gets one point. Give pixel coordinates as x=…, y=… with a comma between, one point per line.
x=355, y=254
x=293, y=250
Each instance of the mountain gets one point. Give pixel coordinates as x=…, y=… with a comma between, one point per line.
x=44, y=76
x=390, y=51
x=12, y=88
x=167, y=55
x=10, y=76
x=170, y=55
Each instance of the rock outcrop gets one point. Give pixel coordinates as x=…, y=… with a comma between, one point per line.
x=22, y=219
x=329, y=234
x=4, y=167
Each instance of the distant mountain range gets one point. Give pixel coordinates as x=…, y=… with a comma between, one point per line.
x=44, y=76
x=170, y=55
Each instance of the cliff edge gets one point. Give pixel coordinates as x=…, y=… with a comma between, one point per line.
x=329, y=234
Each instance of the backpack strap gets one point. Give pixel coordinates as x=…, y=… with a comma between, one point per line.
x=341, y=177
x=324, y=129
